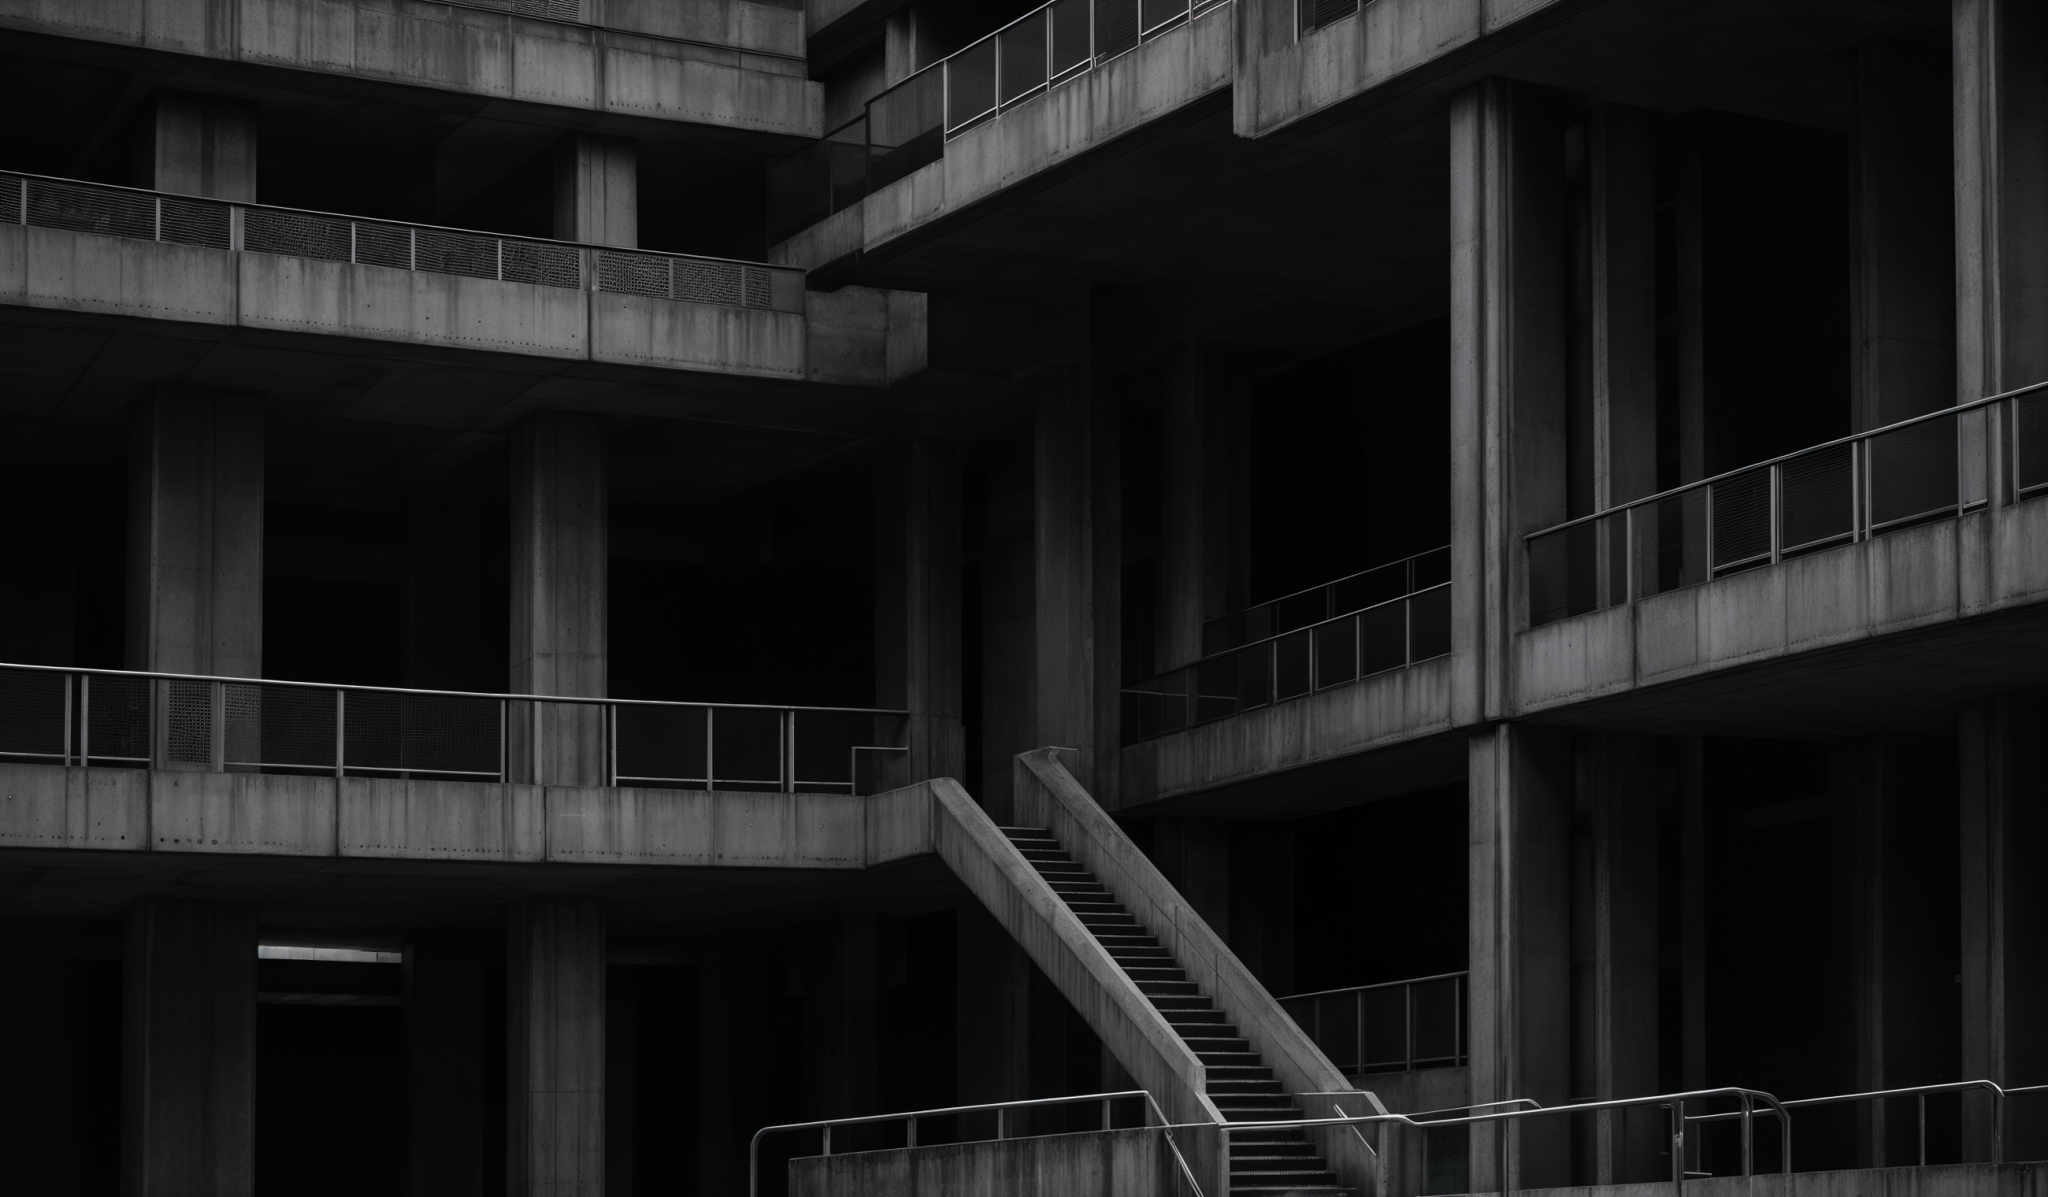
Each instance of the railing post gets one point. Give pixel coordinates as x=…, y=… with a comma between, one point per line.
x=1108, y=1122
x=351, y=242
x=1002, y=1124
x=998, y=97
x=789, y=752
x=611, y=742
x=710, y=757
x=1408, y=1014
x=1777, y=485
x=85, y=721
x=67, y=721
x=504, y=740
x=218, y=750
x=1863, y=514
x=412, y=249
x=1678, y=1146
x=1856, y=491
x=827, y=1135
x=157, y=205
x=340, y=731
x=1628, y=552
x=1923, y=1130
x=534, y=734
x=501, y=260
x=1708, y=576
x=1748, y=1139
x=910, y=1131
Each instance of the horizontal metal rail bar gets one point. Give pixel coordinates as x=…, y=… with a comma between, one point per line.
x=1353, y=576
x=1959, y=409
x=1316, y=993
x=476, y=694
x=386, y=222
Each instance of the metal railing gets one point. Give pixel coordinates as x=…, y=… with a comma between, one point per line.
x=108, y=210
x=1311, y=15
x=1748, y=1102
x=1327, y=600
x=1997, y=1095
x=907, y=126
x=1378, y=638
x=119, y=718
x=1841, y=492
x=1387, y=1027
x=1006, y=1119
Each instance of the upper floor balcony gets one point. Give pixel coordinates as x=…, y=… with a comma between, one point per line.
x=127, y=761
x=1914, y=526
x=1052, y=84
x=1360, y=662
x=91, y=248
x=733, y=64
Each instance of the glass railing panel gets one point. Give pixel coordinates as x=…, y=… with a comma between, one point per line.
x=1021, y=55
x=1070, y=33
x=1291, y=667
x=906, y=127
x=1336, y=650
x=1384, y=638
x=970, y=84
x=1116, y=27
x=1912, y=473
x=2030, y=444
x=1429, y=631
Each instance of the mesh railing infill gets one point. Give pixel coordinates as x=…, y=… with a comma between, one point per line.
x=295, y=234
x=188, y=722
x=382, y=245
x=196, y=222
x=709, y=282
x=82, y=209
x=469, y=255
x=32, y=722
x=1817, y=498
x=633, y=274
x=432, y=734
x=10, y=198
x=543, y=264
x=1742, y=519
x=116, y=718
x=661, y=744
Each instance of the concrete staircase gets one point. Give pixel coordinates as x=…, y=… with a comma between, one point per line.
x=1263, y=1163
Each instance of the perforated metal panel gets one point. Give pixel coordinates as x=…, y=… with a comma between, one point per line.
x=428, y=734
x=383, y=245
x=466, y=254
x=662, y=744
x=116, y=718
x=296, y=234
x=278, y=727
x=91, y=210
x=10, y=199
x=710, y=282
x=633, y=274
x=1742, y=519
x=188, y=729
x=32, y=715
x=543, y=264
x=195, y=222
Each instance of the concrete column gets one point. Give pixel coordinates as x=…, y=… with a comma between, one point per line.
x=992, y=993
x=555, y=1075
x=1509, y=296
x=2001, y=160
x=201, y=145
x=1615, y=957
x=1204, y=511
x=560, y=572
x=189, y=1056
x=1519, y=1003
x=1620, y=328
x=597, y=191
x=445, y=1053
x=195, y=579
x=1077, y=620
x=917, y=608
x=908, y=43
x=2005, y=913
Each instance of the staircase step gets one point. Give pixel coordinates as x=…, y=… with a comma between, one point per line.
x=1179, y=1002
x=1244, y=1150
x=1244, y=1087
x=1213, y=1060
x=1162, y=988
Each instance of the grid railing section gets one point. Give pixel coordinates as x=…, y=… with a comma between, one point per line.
x=907, y=126
x=122, y=719
x=1394, y=1026
x=1392, y=633
x=1841, y=492
x=289, y=232
x=1327, y=600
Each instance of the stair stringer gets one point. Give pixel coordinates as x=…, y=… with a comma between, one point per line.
x=1047, y=795
x=1104, y=995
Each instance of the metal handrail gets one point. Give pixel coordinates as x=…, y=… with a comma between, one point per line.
x=479, y=6
x=587, y=251
x=1409, y=560
x=1409, y=1060
x=1921, y=1092
x=209, y=724
x=1001, y=1109
x=1726, y=475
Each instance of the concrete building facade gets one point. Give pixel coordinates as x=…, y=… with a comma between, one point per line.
x=1458, y=581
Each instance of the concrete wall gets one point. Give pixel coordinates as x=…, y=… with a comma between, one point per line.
x=1125, y=1163
x=772, y=28
x=1954, y=1180
x=1281, y=80
x=134, y=810
x=1377, y=712
x=1934, y=573
x=494, y=55
x=854, y=336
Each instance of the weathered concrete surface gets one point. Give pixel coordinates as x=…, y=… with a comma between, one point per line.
x=1123, y=1163
x=1282, y=80
x=1159, y=77
x=1911, y=578
x=1377, y=712
x=135, y=810
x=1078, y=965
x=771, y=28
x=1047, y=795
x=854, y=336
x=470, y=51
x=1938, y=1180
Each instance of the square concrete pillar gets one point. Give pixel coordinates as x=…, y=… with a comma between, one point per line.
x=560, y=571
x=2005, y=915
x=189, y=1101
x=201, y=145
x=444, y=1054
x=195, y=578
x=597, y=191
x=1615, y=952
x=2001, y=220
x=1205, y=510
x=1519, y=1004
x=908, y=43
x=1509, y=358
x=917, y=608
x=555, y=1074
